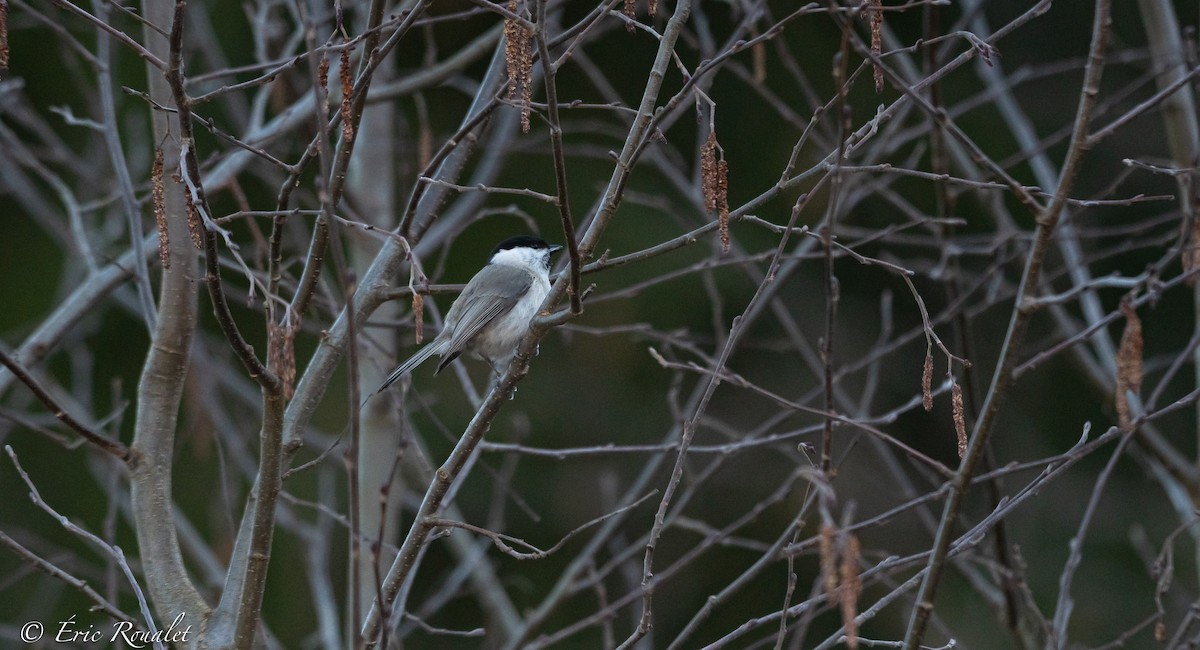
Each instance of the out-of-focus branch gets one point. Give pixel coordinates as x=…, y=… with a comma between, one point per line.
x=427, y=77
x=334, y=175
x=102, y=441
x=115, y=551
x=1183, y=141
x=1019, y=322
x=241, y=604
x=446, y=164
x=101, y=603
x=736, y=331
x=113, y=142
x=92, y=291
x=1066, y=605
x=151, y=58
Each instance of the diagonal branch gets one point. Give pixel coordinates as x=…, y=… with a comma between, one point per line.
x=102, y=441
x=189, y=170
x=550, y=73
x=1019, y=322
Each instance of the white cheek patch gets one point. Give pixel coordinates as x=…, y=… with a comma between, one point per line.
x=534, y=258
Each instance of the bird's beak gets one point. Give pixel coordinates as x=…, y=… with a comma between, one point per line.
x=554, y=248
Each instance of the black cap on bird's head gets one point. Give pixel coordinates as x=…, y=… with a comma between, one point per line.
x=525, y=241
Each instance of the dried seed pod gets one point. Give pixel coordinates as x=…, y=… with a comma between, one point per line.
x=281, y=355
x=347, y=80
x=3, y=35
x=418, y=305
x=927, y=381
x=850, y=589
x=518, y=57
x=1129, y=364
x=158, y=199
x=828, y=561
x=714, y=180
x=876, y=13
x=960, y=418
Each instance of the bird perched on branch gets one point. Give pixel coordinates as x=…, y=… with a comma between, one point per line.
x=494, y=310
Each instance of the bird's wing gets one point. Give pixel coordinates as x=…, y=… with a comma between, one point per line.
x=490, y=296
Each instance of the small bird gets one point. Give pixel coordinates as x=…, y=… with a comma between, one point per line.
x=494, y=310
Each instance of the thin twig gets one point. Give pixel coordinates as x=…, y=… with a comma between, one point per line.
x=112, y=550
x=102, y=441
x=1047, y=220
x=549, y=76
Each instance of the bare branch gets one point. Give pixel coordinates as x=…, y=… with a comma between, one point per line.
x=102, y=441
x=115, y=551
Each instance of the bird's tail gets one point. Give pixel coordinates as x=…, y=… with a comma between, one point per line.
x=413, y=361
